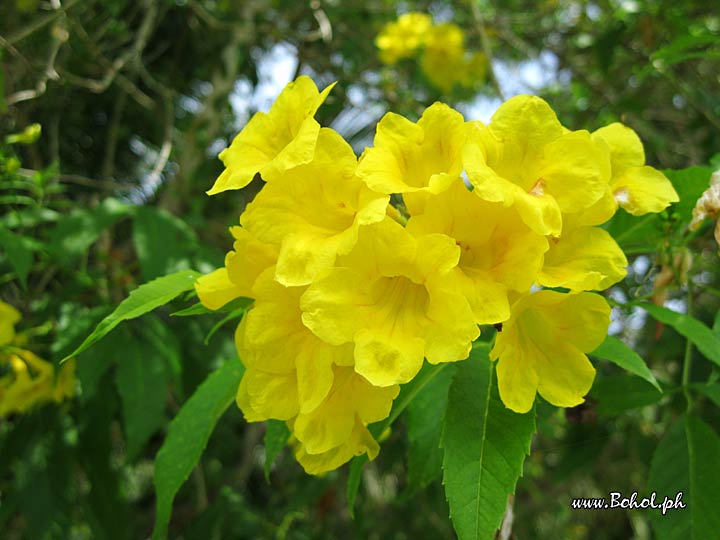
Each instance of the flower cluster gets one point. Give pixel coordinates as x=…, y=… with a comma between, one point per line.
x=25, y=380
x=441, y=50
x=351, y=293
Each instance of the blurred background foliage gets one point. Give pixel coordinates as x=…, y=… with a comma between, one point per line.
x=111, y=116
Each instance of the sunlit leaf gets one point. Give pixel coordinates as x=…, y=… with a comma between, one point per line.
x=619, y=353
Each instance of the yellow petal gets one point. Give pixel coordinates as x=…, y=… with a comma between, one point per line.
x=215, y=289
x=360, y=442
x=271, y=143
x=641, y=190
x=583, y=259
x=626, y=149
x=262, y=396
x=8, y=317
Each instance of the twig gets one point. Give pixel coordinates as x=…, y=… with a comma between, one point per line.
x=37, y=25
x=487, y=49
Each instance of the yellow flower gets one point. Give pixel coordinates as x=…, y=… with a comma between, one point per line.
x=636, y=187
x=415, y=159
x=274, y=142
x=541, y=349
x=359, y=442
x=402, y=38
x=395, y=298
x=524, y=157
x=352, y=400
x=248, y=259
x=583, y=259
x=8, y=317
x=30, y=382
x=445, y=62
x=497, y=250
x=288, y=369
x=313, y=211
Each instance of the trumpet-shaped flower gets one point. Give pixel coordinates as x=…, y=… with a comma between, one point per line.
x=541, y=349
x=583, y=259
x=415, y=159
x=402, y=38
x=359, y=442
x=524, y=157
x=248, y=259
x=394, y=296
x=636, y=187
x=445, y=62
x=274, y=142
x=313, y=211
x=288, y=369
x=497, y=250
x=352, y=400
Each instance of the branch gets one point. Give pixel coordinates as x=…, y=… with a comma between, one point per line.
x=37, y=25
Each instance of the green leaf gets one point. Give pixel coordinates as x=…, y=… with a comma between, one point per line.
x=617, y=393
x=142, y=300
x=689, y=183
x=619, y=353
x=686, y=460
x=700, y=335
x=199, y=309
x=424, y=427
x=710, y=391
x=485, y=445
x=188, y=435
x=276, y=437
x=141, y=383
x=18, y=252
x=75, y=233
x=163, y=242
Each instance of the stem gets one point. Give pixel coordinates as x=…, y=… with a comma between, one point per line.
x=687, y=362
x=487, y=50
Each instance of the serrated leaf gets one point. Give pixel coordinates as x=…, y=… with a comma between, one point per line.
x=199, y=309
x=685, y=325
x=141, y=383
x=485, y=445
x=18, y=252
x=619, y=353
x=76, y=232
x=142, y=300
x=188, y=435
x=424, y=427
x=276, y=437
x=163, y=242
x=617, y=393
x=686, y=460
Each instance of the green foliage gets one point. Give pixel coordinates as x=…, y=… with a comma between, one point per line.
x=619, y=353
x=188, y=435
x=276, y=437
x=484, y=445
x=686, y=461
x=142, y=300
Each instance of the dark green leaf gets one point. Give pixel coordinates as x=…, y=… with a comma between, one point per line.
x=424, y=427
x=141, y=382
x=142, y=300
x=619, y=353
x=163, y=242
x=188, y=435
x=18, y=252
x=276, y=437
x=485, y=445
x=686, y=460
x=617, y=393
x=75, y=233
x=700, y=335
